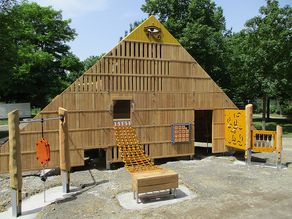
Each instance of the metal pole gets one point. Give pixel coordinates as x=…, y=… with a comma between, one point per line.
x=15, y=162
x=43, y=171
x=42, y=120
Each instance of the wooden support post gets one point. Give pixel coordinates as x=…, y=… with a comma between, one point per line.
x=248, y=124
x=65, y=164
x=15, y=162
x=279, y=146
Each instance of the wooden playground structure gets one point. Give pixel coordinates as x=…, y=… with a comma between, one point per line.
x=240, y=134
x=145, y=99
x=42, y=152
x=149, y=78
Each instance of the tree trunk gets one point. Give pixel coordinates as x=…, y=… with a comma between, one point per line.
x=268, y=109
x=279, y=109
x=264, y=112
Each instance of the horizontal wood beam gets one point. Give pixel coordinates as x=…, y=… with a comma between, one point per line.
x=143, y=75
x=149, y=59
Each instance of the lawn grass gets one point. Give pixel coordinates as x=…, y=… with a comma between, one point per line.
x=3, y=121
x=35, y=111
x=286, y=123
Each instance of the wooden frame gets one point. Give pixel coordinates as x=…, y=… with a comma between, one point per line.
x=165, y=83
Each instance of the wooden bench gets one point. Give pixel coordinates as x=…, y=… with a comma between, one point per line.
x=154, y=180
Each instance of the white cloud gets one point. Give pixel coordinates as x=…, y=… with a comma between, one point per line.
x=73, y=8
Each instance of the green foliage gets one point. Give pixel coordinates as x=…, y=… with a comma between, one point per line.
x=38, y=58
x=269, y=37
x=90, y=61
x=3, y=121
x=82, y=67
x=286, y=123
x=35, y=111
x=261, y=55
x=287, y=109
x=8, y=49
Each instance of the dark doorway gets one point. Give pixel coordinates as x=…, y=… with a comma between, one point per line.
x=122, y=109
x=203, y=126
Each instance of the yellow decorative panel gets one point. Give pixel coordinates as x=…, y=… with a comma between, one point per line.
x=151, y=30
x=235, y=129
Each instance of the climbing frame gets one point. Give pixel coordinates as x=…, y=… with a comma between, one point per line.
x=131, y=150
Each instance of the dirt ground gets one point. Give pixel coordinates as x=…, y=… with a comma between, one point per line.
x=224, y=188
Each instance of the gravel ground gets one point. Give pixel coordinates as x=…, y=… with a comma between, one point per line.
x=224, y=187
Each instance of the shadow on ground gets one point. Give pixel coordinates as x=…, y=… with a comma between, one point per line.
x=161, y=196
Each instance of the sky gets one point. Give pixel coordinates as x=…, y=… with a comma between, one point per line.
x=100, y=23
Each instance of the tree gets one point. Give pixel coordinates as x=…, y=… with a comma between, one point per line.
x=90, y=61
x=8, y=49
x=42, y=60
x=85, y=65
x=262, y=55
x=200, y=27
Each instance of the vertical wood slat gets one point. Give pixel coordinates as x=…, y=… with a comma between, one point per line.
x=218, y=131
x=132, y=49
x=145, y=50
x=154, y=50
x=126, y=69
x=127, y=44
x=158, y=51
x=137, y=48
x=149, y=50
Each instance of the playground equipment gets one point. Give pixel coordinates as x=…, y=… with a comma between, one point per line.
x=146, y=177
x=42, y=154
x=43, y=151
x=150, y=72
x=241, y=134
x=130, y=149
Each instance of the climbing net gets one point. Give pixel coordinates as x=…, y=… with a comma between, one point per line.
x=131, y=150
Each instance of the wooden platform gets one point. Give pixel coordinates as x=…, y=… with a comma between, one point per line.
x=154, y=180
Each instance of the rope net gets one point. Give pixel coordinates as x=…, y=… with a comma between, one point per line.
x=131, y=150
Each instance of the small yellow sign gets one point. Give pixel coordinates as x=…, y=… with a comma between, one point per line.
x=235, y=130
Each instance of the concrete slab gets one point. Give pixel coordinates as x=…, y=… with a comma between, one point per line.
x=34, y=204
x=155, y=199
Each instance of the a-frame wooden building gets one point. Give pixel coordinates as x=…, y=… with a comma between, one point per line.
x=148, y=78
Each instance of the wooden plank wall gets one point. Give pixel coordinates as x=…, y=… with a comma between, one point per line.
x=218, y=132
x=166, y=85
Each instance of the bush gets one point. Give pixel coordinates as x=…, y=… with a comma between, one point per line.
x=287, y=109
